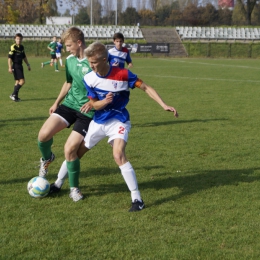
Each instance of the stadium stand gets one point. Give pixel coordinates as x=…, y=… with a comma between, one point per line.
x=218, y=33
x=48, y=31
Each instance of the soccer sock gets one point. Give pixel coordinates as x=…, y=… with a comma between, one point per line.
x=61, y=62
x=46, y=63
x=16, y=90
x=74, y=170
x=130, y=178
x=45, y=148
x=62, y=175
x=56, y=65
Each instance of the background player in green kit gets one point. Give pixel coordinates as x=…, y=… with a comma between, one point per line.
x=74, y=96
x=52, y=46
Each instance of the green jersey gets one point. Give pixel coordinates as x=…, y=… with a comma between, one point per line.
x=53, y=46
x=77, y=95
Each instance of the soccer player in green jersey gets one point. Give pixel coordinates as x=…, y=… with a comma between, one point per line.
x=66, y=113
x=52, y=47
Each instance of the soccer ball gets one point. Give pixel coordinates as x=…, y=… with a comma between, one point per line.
x=38, y=187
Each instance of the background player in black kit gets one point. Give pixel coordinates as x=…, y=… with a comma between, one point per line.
x=16, y=56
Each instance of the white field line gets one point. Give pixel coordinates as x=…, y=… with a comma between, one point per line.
x=210, y=79
x=211, y=64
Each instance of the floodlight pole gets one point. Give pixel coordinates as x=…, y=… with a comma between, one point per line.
x=116, y=14
x=91, y=10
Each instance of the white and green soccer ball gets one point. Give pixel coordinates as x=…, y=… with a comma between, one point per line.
x=38, y=187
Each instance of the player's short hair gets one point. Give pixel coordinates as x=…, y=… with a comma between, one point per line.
x=74, y=34
x=19, y=35
x=118, y=35
x=96, y=49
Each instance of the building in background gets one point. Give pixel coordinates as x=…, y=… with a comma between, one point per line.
x=59, y=20
x=226, y=4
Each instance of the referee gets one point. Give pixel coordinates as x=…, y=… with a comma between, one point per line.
x=15, y=65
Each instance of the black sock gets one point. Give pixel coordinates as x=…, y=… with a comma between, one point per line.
x=16, y=90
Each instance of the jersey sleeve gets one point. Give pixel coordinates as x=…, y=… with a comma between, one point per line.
x=128, y=58
x=11, y=51
x=69, y=79
x=90, y=93
x=132, y=79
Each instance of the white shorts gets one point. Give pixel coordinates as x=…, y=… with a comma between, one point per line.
x=113, y=129
x=58, y=55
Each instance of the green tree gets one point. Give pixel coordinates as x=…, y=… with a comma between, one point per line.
x=147, y=17
x=209, y=15
x=191, y=15
x=162, y=14
x=225, y=16
x=82, y=17
x=247, y=8
x=238, y=17
x=129, y=16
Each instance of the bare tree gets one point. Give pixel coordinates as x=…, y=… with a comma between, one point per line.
x=247, y=9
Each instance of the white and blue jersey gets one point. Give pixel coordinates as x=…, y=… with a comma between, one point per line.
x=119, y=56
x=118, y=81
x=59, y=47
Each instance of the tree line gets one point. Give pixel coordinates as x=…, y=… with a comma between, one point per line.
x=145, y=12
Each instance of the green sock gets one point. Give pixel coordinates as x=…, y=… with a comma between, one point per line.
x=45, y=148
x=74, y=170
x=46, y=63
x=56, y=66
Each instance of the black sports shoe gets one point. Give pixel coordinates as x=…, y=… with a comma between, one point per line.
x=54, y=189
x=136, y=206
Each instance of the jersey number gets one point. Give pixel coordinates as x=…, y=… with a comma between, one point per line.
x=121, y=130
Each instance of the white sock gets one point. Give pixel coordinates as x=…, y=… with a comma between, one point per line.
x=62, y=175
x=61, y=62
x=129, y=176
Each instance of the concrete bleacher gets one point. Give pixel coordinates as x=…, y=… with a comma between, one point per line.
x=218, y=33
x=48, y=31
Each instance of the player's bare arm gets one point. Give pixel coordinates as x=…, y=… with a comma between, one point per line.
x=27, y=63
x=10, y=70
x=64, y=90
x=155, y=96
x=100, y=104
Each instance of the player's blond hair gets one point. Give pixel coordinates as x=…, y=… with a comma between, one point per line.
x=74, y=34
x=97, y=49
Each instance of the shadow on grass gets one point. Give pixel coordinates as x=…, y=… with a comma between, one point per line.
x=24, y=119
x=187, y=185
x=38, y=99
x=176, y=121
x=205, y=180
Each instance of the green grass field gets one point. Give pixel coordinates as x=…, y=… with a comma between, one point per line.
x=199, y=175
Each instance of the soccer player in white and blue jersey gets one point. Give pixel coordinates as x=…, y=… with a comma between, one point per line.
x=59, y=49
x=118, y=55
x=108, y=90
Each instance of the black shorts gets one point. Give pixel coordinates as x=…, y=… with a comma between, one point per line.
x=18, y=71
x=80, y=121
x=53, y=56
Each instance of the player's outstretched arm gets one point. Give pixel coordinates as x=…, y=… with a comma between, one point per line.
x=64, y=90
x=155, y=96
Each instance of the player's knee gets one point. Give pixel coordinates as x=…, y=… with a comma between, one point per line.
x=44, y=135
x=70, y=151
x=119, y=158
